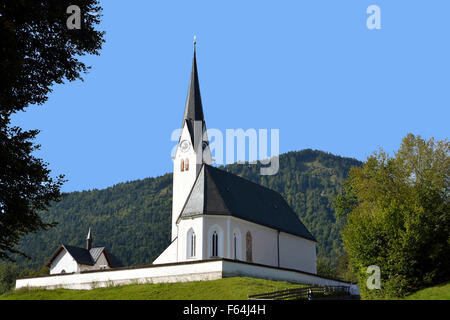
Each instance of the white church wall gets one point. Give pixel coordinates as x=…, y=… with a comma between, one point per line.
x=64, y=262
x=196, y=223
x=219, y=224
x=297, y=253
x=169, y=255
x=294, y=252
x=264, y=243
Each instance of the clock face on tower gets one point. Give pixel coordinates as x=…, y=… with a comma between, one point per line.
x=185, y=145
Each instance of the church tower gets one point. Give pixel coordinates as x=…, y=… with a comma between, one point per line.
x=193, y=147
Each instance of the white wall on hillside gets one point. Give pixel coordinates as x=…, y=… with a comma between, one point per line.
x=202, y=270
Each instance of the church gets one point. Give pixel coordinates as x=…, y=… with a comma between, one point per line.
x=221, y=226
x=70, y=259
x=216, y=214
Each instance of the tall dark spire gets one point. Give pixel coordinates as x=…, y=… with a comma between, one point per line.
x=193, y=110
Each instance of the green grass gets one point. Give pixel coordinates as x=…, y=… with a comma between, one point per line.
x=237, y=288
x=439, y=292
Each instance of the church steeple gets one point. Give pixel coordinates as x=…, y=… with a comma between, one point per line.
x=194, y=109
x=193, y=147
x=89, y=240
x=193, y=116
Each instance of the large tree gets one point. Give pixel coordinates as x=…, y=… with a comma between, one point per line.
x=37, y=50
x=397, y=214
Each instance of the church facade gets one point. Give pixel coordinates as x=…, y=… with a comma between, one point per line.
x=216, y=214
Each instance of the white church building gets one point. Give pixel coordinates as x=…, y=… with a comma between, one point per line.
x=222, y=226
x=70, y=259
x=216, y=214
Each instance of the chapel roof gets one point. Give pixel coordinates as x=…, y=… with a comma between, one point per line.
x=218, y=192
x=81, y=255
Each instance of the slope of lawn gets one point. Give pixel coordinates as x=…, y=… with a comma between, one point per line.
x=439, y=292
x=237, y=288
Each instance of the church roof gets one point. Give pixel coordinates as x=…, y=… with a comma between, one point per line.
x=194, y=110
x=81, y=255
x=218, y=192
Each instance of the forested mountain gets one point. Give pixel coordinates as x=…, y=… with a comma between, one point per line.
x=133, y=219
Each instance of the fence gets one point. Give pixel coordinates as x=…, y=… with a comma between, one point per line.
x=300, y=293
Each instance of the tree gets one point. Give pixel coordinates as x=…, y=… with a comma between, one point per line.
x=8, y=275
x=26, y=189
x=398, y=217
x=37, y=50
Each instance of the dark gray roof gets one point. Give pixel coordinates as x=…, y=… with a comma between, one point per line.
x=96, y=252
x=84, y=256
x=81, y=255
x=194, y=110
x=218, y=192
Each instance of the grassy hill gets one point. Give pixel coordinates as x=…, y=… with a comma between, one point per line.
x=237, y=288
x=132, y=219
x=439, y=292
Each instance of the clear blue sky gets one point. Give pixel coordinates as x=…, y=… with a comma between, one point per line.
x=311, y=69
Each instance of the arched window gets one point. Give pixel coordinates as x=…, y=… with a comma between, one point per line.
x=63, y=271
x=215, y=241
x=248, y=245
x=236, y=245
x=191, y=243
x=215, y=244
x=182, y=165
x=186, y=164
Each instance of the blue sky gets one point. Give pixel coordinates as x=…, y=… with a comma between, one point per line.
x=311, y=69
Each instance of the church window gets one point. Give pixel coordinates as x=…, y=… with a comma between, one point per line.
x=191, y=243
x=182, y=165
x=215, y=244
x=235, y=246
x=248, y=242
x=186, y=164
x=215, y=241
x=63, y=271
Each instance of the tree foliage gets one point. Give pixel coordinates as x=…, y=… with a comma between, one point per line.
x=398, y=216
x=36, y=51
x=25, y=188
